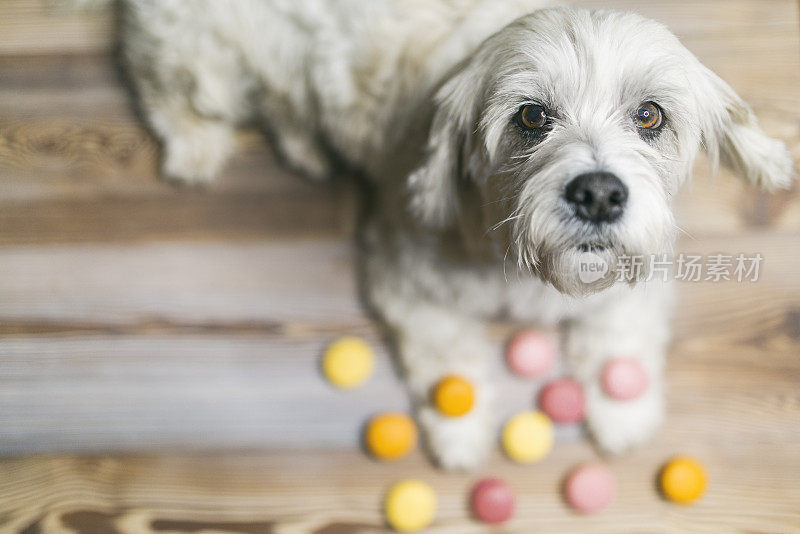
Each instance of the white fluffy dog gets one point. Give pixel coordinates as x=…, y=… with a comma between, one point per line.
x=503, y=141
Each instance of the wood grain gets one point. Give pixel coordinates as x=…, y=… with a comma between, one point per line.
x=184, y=327
x=53, y=27
x=314, y=492
x=62, y=26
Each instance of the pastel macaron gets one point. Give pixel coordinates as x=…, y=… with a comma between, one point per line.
x=348, y=362
x=454, y=396
x=563, y=401
x=492, y=501
x=624, y=379
x=590, y=488
x=528, y=437
x=410, y=505
x=531, y=353
x=683, y=480
x=390, y=435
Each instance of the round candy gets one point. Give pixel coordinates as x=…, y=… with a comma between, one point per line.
x=390, y=436
x=454, y=396
x=528, y=437
x=531, y=353
x=683, y=480
x=590, y=488
x=624, y=379
x=563, y=401
x=348, y=362
x=492, y=501
x=410, y=505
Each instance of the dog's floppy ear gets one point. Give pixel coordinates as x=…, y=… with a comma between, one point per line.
x=732, y=136
x=433, y=186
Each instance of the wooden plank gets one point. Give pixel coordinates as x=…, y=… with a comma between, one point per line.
x=54, y=27
x=709, y=17
x=156, y=392
x=309, y=280
x=216, y=345
x=94, y=392
x=41, y=26
x=193, y=391
x=340, y=492
x=179, y=215
x=303, y=280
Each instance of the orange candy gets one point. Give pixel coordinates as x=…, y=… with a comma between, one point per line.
x=391, y=436
x=454, y=396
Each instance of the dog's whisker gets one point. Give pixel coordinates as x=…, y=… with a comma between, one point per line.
x=505, y=263
x=685, y=232
x=499, y=200
x=504, y=221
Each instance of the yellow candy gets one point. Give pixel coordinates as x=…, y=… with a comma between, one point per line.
x=390, y=436
x=410, y=505
x=348, y=362
x=683, y=480
x=528, y=436
x=454, y=396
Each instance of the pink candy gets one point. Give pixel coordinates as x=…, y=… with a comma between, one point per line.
x=563, y=401
x=531, y=353
x=492, y=501
x=624, y=379
x=590, y=488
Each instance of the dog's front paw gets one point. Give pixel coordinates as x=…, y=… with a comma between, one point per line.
x=195, y=157
x=618, y=426
x=461, y=443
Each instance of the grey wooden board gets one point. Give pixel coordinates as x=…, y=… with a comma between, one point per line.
x=153, y=346
x=201, y=345
x=156, y=392
x=303, y=280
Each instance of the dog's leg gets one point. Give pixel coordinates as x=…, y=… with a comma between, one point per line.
x=303, y=154
x=194, y=147
x=434, y=342
x=633, y=324
x=192, y=85
x=295, y=141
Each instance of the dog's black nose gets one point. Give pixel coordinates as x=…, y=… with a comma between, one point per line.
x=597, y=196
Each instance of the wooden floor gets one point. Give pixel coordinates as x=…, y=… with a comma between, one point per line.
x=158, y=348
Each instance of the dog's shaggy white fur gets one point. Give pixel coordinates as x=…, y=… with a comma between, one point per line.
x=470, y=221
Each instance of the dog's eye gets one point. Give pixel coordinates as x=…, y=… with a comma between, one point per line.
x=532, y=116
x=649, y=116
